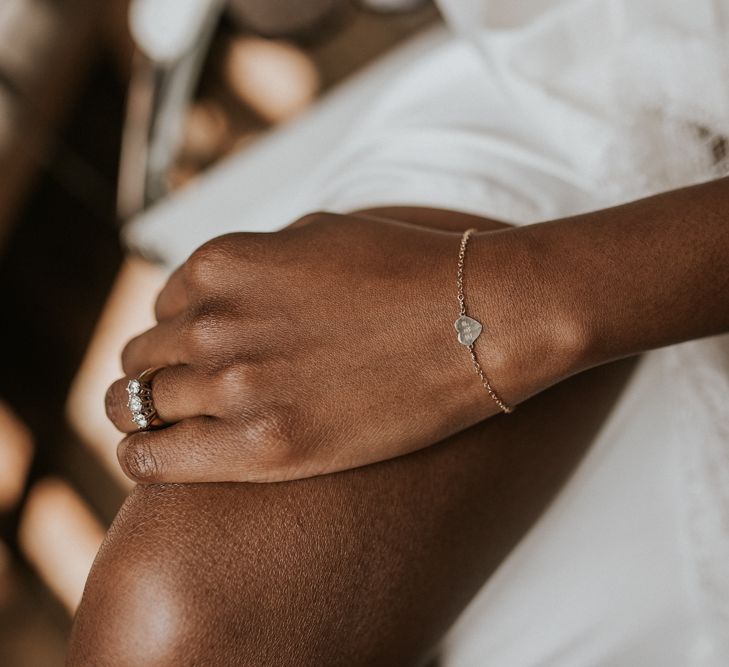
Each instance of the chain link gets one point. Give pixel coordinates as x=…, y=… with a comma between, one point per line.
x=462, y=312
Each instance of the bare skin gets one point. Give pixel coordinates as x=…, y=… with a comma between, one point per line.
x=330, y=345
x=364, y=567
x=368, y=566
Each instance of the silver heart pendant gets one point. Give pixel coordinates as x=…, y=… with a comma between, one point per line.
x=468, y=330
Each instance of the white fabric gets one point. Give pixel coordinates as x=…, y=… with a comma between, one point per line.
x=541, y=109
x=633, y=97
x=275, y=180
x=603, y=578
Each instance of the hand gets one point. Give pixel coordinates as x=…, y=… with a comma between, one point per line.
x=326, y=346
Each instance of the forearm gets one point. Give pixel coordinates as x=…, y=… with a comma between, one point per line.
x=612, y=283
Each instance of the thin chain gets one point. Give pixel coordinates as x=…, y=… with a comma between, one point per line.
x=462, y=311
x=461, y=262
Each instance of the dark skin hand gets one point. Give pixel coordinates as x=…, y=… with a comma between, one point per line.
x=330, y=345
x=367, y=567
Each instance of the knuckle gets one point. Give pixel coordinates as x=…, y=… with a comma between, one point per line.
x=138, y=459
x=234, y=381
x=159, y=307
x=274, y=435
x=207, y=262
x=315, y=217
x=204, y=329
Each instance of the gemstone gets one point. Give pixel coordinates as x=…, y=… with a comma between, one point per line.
x=140, y=420
x=134, y=387
x=135, y=403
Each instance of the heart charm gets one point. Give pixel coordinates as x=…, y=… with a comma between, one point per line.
x=468, y=330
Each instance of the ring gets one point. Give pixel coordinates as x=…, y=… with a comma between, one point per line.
x=140, y=400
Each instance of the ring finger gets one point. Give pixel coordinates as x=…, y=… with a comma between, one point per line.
x=178, y=392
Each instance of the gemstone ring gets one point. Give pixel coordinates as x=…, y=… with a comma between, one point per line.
x=140, y=402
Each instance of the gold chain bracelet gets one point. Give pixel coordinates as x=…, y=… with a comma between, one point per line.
x=469, y=329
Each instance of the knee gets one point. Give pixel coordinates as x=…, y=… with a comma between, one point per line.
x=135, y=611
x=145, y=601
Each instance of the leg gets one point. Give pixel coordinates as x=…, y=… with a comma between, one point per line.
x=367, y=567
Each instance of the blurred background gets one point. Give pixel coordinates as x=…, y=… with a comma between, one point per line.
x=86, y=104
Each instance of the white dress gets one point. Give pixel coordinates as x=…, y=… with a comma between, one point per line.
x=534, y=110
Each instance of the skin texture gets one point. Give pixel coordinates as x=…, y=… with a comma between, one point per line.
x=330, y=345
x=364, y=567
x=642, y=275
x=367, y=567
x=371, y=566
x=321, y=348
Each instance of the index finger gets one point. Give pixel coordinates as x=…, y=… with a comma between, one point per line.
x=174, y=297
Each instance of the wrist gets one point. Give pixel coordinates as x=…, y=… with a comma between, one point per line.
x=533, y=334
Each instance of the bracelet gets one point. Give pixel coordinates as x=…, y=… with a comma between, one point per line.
x=469, y=329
